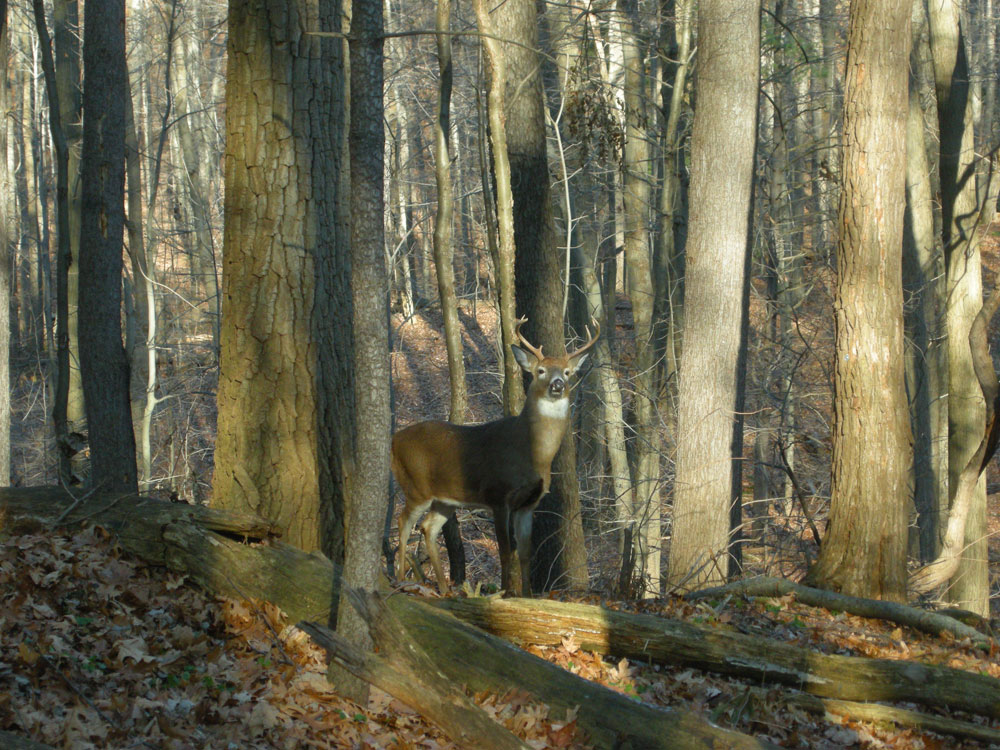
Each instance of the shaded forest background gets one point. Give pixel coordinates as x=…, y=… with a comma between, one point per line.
x=177, y=66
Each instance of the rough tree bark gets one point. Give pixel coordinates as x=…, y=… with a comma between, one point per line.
x=864, y=550
x=709, y=440
x=286, y=405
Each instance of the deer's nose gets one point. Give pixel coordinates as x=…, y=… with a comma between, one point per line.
x=557, y=386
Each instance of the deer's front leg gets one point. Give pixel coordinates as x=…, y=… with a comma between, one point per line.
x=502, y=519
x=522, y=533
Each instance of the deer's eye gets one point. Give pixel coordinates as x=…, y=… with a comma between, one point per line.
x=541, y=371
x=565, y=373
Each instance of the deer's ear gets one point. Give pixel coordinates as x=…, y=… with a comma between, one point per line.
x=527, y=360
x=576, y=363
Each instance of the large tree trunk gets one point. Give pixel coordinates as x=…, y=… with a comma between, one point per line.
x=709, y=449
x=103, y=361
x=286, y=404
x=864, y=551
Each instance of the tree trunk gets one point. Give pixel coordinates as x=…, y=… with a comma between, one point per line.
x=864, y=550
x=496, y=83
x=406, y=672
x=191, y=148
x=926, y=351
x=644, y=524
x=366, y=503
x=557, y=534
x=662, y=641
x=444, y=224
x=73, y=437
x=6, y=242
x=103, y=361
x=444, y=263
x=286, y=415
x=959, y=213
x=709, y=447
x=68, y=443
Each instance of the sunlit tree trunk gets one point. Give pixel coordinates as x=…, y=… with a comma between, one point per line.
x=864, y=550
x=496, y=83
x=709, y=437
x=286, y=419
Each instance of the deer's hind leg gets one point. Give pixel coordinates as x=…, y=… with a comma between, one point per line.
x=432, y=524
x=407, y=520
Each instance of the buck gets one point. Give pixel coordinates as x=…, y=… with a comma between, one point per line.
x=504, y=465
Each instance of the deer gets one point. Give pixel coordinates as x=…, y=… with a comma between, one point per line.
x=504, y=466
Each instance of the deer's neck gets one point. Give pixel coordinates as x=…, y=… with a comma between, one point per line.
x=546, y=421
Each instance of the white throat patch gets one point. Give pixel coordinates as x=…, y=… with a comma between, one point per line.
x=554, y=409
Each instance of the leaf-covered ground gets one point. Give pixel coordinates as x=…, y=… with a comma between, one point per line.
x=98, y=650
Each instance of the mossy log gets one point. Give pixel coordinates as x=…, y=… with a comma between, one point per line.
x=657, y=639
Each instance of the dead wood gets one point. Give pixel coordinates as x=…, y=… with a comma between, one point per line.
x=657, y=639
x=900, y=716
x=304, y=586
x=919, y=619
x=405, y=671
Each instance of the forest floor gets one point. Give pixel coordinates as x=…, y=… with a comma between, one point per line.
x=100, y=650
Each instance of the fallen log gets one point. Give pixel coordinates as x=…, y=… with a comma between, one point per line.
x=933, y=623
x=876, y=712
x=658, y=639
x=405, y=671
x=304, y=586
